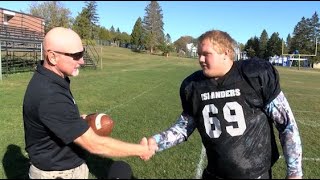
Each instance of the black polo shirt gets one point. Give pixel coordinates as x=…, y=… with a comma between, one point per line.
x=52, y=122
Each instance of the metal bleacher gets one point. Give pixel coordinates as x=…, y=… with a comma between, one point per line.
x=21, y=42
x=21, y=37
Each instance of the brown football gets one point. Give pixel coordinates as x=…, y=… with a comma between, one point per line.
x=101, y=124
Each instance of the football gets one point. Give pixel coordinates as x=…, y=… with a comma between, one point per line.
x=102, y=124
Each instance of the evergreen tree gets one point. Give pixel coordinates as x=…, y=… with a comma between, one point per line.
x=117, y=37
x=263, y=44
x=93, y=17
x=153, y=25
x=315, y=36
x=82, y=24
x=304, y=37
x=112, y=29
x=137, y=35
x=166, y=46
x=252, y=47
x=274, y=45
x=300, y=37
x=168, y=38
x=86, y=23
x=287, y=45
x=112, y=33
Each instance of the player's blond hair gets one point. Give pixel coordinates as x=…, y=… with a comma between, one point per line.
x=221, y=41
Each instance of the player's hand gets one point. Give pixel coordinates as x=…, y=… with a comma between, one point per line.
x=150, y=149
x=152, y=144
x=83, y=116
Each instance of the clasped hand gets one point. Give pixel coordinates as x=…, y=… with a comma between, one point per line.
x=151, y=147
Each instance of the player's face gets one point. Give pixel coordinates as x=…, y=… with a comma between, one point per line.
x=211, y=62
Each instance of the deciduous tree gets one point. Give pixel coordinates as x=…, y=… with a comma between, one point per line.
x=53, y=12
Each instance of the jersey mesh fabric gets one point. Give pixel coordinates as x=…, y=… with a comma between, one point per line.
x=237, y=134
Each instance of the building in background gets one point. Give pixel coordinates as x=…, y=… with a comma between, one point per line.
x=21, y=37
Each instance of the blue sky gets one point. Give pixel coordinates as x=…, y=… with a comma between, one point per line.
x=241, y=19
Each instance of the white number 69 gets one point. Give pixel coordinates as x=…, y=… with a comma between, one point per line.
x=237, y=116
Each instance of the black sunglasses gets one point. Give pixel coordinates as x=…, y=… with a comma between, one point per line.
x=76, y=56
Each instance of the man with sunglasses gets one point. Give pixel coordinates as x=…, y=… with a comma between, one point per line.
x=55, y=133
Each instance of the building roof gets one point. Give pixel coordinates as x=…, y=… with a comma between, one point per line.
x=21, y=13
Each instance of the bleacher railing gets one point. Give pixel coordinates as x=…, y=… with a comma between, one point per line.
x=21, y=36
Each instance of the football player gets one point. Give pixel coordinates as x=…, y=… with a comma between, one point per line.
x=233, y=105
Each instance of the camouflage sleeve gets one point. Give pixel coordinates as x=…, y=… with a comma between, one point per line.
x=177, y=133
x=280, y=111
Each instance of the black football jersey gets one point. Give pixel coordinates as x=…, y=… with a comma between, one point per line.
x=229, y=116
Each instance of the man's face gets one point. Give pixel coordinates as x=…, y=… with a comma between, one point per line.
x=69, y=62
x=211, y=62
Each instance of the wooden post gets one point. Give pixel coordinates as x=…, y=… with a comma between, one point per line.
x=0, y=63
x=41, y=53
x=299, y=63
x=101, y=56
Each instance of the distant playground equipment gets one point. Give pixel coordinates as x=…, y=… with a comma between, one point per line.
x=289, y=59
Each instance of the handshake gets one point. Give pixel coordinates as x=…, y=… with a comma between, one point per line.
x=150, y=148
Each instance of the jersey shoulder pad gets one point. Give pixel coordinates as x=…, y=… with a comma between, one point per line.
x=263, y=77
x=256, y=67
x=186, y=89
x=194, y=77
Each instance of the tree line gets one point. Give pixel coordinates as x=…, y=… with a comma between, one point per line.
x=303, y=41
x=148, y=33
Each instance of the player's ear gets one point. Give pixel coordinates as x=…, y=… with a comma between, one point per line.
x=227, y=52
x=52, y=58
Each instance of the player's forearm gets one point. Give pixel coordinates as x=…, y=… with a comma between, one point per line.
x=292, y=151
x=109, y=147
x=280, y=111
x=176, y=134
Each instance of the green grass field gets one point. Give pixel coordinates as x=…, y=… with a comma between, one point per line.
x=141, y=93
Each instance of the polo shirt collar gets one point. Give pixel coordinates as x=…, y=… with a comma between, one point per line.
x=64, y=82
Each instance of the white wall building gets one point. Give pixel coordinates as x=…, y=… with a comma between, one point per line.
x=192, y=50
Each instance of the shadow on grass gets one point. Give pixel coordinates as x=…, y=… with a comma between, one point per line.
x=101, y=167
x=15, y=164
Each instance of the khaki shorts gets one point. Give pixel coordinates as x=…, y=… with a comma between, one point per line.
x=80, y=172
